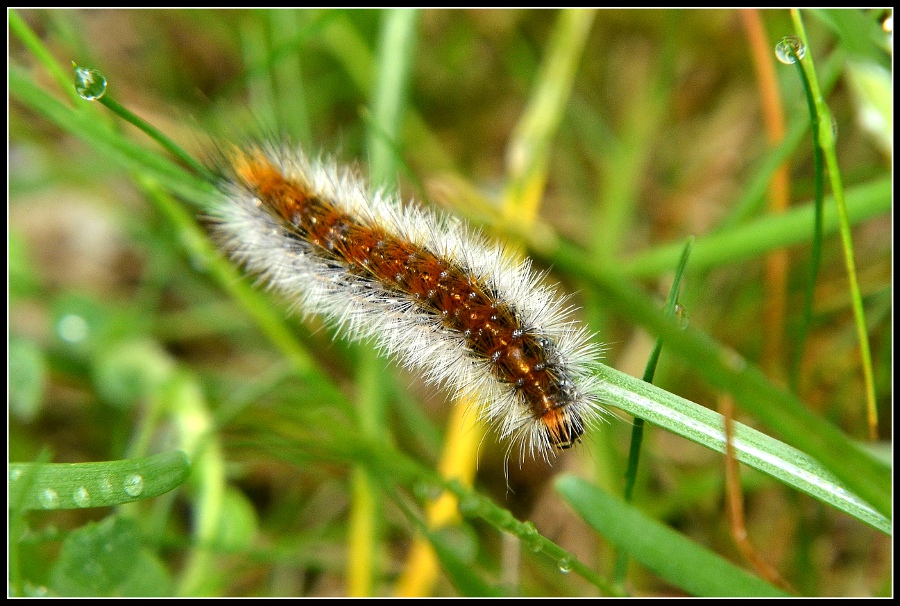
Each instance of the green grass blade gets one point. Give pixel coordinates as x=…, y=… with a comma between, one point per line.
x=389, y=97
x=18, y=26
x=815, y=253
x=754, y=238
x=109, y=142
x=104, y=484
x=456, y=565
x=650, y=371
x=528, y=151
x=753, y=448
x=675, y=558
x=826, y=139
x=637, y=430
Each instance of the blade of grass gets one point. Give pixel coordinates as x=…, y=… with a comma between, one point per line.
x=815, y=254
x=637, y=429
x=50, y=486
x=290, y=94
x=827, y=142
x=766, y=233
x=528, y=151
x=190, y=411
x=754, y=448
x=462, y=575
x=625, y=164
x=107, y=141
x=85, y=77
x=350, y=50
x=18, y=26
x=861, y=35
x=674, y=557
x=750, y=202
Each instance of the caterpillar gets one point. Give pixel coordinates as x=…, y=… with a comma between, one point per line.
x=430, y=292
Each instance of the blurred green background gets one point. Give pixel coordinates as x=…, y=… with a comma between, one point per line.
x=661, y=138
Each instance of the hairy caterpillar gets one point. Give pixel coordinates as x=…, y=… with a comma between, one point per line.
x=427, y=290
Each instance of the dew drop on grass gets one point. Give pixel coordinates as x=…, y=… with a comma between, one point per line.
x=49, y=498
x=82, y=497
x=134, y=485
x=681, y=316
x=106, y=488
x=785, y=46
x=530, y=530
x=90, y=84
x=565, y=565
x=531, y=537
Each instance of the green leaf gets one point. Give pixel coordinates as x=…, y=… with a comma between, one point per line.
x=669, y=554
x=107, y=559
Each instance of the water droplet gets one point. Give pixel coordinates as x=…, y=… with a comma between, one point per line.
x=106, y=488
x=532, y=537
x=82, y=497
x=784, y=48
x=49, y=499
x=529, y=529
x=565, y=564
x=681, y=316
x=834, y=127
x=90, y=84
x=134, y=485
x=72, y=328
x=14, y=474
